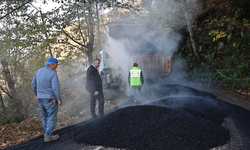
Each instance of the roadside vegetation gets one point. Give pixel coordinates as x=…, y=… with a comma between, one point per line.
x=222, y=34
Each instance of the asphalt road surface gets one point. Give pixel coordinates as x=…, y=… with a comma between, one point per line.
x=169, y=116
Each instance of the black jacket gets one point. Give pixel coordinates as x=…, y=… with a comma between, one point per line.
x=93, y=80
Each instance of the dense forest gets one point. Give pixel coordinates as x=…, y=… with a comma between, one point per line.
x=211, y=37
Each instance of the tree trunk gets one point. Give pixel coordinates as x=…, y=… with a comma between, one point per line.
x=90, y=45
x=1, y=99
x=6, y=71
x=13, y=94
x=190, y=30
x=90, y=58
x=98, y=24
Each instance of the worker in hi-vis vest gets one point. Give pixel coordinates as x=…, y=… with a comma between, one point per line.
x=135, y=79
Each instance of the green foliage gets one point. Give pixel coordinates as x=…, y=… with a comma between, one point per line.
x=225, y=43
x=22, y=52
x=240, y=9
x=10, y=115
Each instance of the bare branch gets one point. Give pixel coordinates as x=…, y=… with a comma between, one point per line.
x=15, y=9
x=70, y=44
x=64, y=31
x=79, y=27
x=123, y=7
x=6, y=92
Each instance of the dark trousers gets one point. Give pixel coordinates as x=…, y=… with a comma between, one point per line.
x=93, y=98
x=137, y=88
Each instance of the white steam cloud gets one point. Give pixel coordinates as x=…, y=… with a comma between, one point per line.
x=168, y=39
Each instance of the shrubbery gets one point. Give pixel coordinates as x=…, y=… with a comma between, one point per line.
x=223, y=43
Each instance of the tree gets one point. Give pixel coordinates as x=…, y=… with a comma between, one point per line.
x=14, y=9
x=28, y=36
x=190, y=30
x=21, y=35
x=78, y=26
x=2, y=103
x=6, y=53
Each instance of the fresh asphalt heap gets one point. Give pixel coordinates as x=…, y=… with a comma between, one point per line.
x=172, y=117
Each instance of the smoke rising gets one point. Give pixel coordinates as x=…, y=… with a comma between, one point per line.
x=160, y=23
x=166, y=39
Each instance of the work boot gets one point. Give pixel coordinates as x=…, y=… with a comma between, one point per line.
x=93, y=116
x=101, y=114
x=51, y=138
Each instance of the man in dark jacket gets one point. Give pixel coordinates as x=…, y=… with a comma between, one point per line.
x=94, y=86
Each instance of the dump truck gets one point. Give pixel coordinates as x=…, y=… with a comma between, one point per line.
x=125, y=46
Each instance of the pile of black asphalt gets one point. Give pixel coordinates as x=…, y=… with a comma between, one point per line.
x=171, y=116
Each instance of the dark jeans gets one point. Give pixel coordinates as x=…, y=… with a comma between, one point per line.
x=137, y=88
x=93, y=98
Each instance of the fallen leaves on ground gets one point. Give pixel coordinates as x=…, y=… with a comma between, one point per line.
x=15, y=133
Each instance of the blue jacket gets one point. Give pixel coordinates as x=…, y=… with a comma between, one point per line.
x=45, y=84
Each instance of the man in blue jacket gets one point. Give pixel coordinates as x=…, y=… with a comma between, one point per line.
x=94, y=86
x=46, y=88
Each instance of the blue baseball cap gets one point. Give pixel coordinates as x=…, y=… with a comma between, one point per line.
x=51, y=61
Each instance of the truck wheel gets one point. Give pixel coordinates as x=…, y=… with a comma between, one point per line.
x=122, y=84
x=105, y=84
